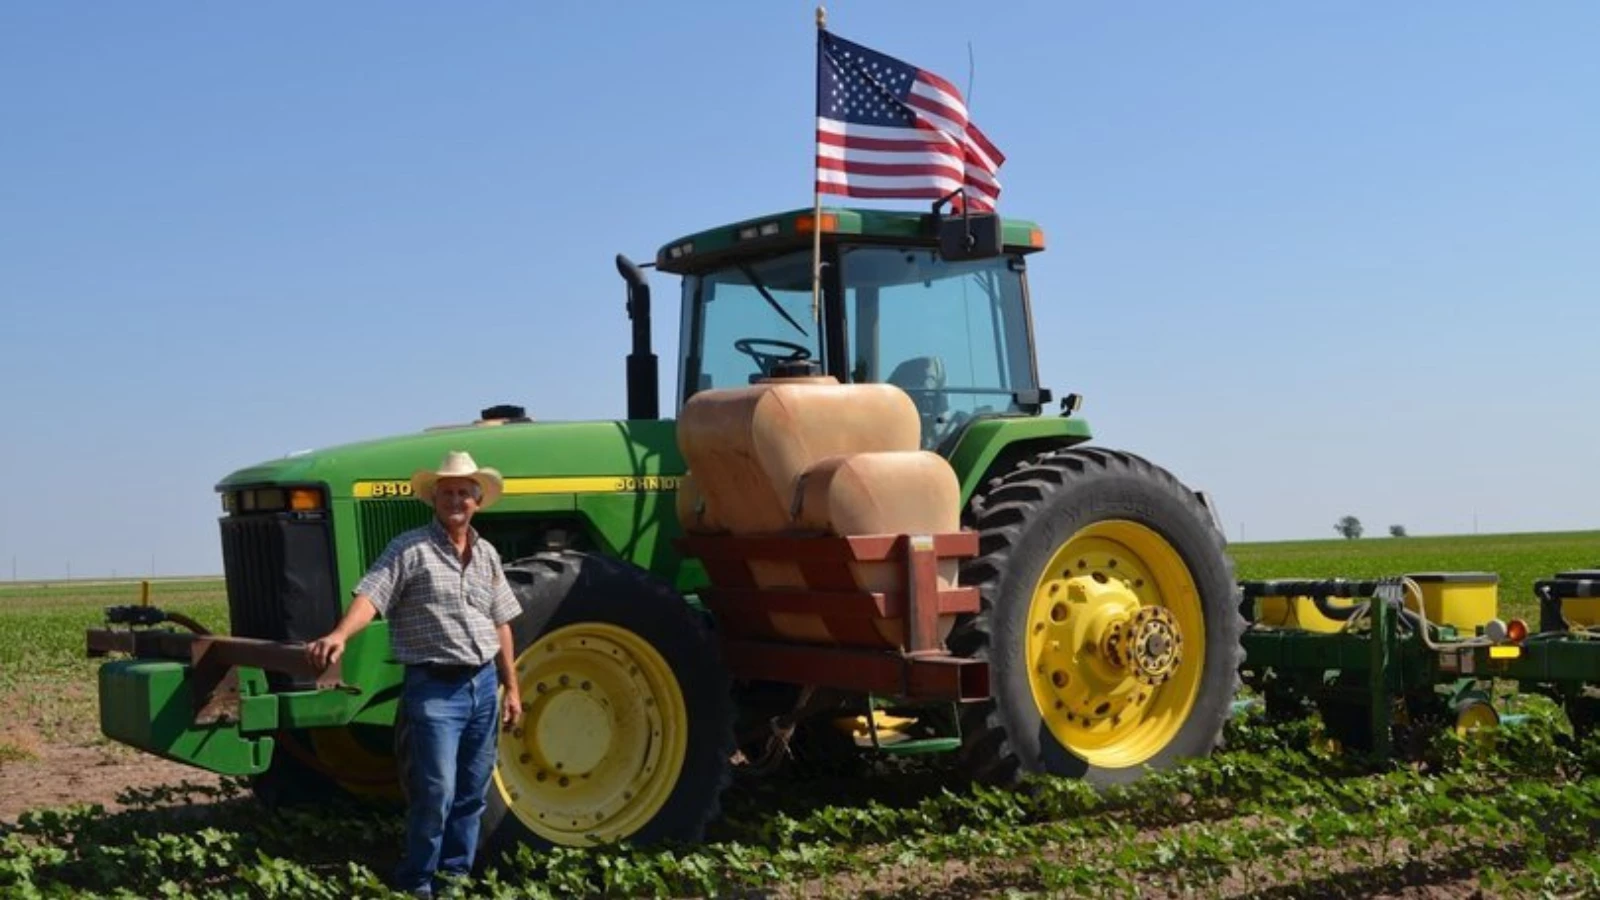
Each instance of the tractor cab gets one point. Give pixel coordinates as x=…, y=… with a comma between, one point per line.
x=937, y=306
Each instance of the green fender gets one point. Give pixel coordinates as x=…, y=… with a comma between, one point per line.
x=1007, y=439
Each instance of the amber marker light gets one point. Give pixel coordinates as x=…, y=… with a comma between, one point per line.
x=830, y=223
x=1516, y=631
x=305, y=499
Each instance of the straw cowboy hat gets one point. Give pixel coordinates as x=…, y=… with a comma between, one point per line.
x=457, y=464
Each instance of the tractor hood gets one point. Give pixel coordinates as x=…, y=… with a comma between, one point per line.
x=581, y=451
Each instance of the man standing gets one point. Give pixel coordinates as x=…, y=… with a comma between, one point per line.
x=448, y=606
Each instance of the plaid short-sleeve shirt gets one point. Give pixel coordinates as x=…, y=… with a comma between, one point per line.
x=439, y=609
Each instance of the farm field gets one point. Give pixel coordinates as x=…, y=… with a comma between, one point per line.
x=1519, y=560
x=1278, y=814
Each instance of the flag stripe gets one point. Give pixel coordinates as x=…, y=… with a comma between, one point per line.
x=868, y=137
x=857, y=167
x=949, y=120
x=938, y=83
x=838, y=158
x=989, y=150
x=932, y=184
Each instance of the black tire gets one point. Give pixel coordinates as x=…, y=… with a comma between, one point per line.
x=1023, y=517
x=1281, y=706
x=288, y=783
x=821, y=750
x=1583, y=712
x=561, y=588
x=352, y=763
x=1349, y=723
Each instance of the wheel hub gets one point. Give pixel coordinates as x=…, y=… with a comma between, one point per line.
x=572, y=731
x=1146, y=645
x=1156, y=645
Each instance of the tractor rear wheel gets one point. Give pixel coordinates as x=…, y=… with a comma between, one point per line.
x=1109, y=618
x=627, y=730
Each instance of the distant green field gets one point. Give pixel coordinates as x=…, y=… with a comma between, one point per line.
x=1519, y=560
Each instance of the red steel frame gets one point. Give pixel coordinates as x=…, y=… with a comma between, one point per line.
x=923, y=670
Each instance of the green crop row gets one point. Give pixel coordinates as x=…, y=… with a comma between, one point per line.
x=1241, y=821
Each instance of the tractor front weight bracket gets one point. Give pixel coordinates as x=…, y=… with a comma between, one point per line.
x=214, y=663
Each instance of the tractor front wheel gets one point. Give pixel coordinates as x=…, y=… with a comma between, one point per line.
x=355, y=762
x=627, y=730
x=1109, y=619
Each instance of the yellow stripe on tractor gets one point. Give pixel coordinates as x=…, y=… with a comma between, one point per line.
x=586, y=484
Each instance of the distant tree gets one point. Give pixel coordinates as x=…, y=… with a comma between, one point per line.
x=1348, y=527
x=1397, y=531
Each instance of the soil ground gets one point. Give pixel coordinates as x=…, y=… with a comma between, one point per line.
x=66, y=774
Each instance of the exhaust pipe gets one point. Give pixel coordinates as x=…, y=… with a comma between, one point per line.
x=643, y=387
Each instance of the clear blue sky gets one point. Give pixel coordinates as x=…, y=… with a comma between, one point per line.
x=1317, y=258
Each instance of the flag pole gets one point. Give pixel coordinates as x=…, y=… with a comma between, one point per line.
x=816, y=189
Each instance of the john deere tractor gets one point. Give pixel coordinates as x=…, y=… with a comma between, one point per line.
x=866, y=527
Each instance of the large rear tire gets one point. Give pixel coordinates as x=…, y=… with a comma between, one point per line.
x=1109, y=618
x=628, y=725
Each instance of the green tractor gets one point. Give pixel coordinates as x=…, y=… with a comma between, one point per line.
x=1092, y=630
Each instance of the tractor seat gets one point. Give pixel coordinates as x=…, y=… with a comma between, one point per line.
x=924, y=379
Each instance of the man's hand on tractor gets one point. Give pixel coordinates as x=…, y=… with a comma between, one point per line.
x=325, y=651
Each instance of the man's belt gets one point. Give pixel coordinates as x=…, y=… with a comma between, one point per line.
x=449, y=671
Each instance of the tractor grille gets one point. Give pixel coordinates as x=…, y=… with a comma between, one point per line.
x=281, y=582
x=383, y=520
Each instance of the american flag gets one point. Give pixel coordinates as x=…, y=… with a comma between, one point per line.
x=887, y=129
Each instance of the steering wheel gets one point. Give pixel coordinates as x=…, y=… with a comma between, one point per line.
x=766, y=361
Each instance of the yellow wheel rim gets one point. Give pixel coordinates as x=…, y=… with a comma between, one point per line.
x=370, y=773
x=1475, y=715
x=603, y=736
x=1116, y=643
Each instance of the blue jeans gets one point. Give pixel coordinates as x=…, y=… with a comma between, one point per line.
x=450, y=742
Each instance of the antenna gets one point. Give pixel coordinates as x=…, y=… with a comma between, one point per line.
x=972, y=68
